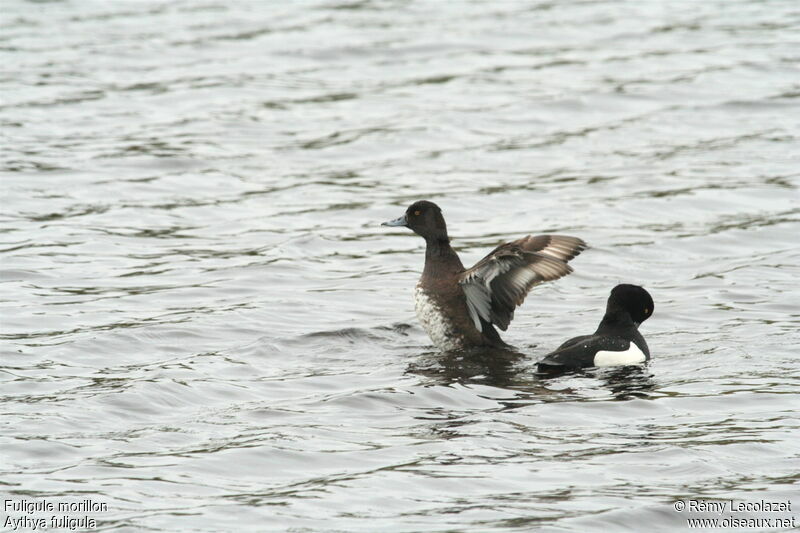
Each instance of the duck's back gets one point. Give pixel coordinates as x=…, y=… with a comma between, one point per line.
x=597, y=350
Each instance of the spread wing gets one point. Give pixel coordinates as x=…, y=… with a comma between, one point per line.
x=559, y=246
x=499, y=282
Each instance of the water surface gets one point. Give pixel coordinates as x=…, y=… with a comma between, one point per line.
x=205, y=327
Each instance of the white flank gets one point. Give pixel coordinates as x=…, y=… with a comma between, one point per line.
x=439, y=329
x=631, y=356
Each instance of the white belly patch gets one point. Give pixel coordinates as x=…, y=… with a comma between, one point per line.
x=438, y=327
x=633, y=355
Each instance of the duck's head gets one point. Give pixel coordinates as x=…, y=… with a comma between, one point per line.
x=423, y=218
x=632, y=299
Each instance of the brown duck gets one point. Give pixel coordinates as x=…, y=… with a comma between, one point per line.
x=458, y=307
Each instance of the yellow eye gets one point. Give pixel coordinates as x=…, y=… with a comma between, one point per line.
x=416, y=213
x=646, y=311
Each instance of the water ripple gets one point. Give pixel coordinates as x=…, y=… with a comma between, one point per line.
x=203, y=321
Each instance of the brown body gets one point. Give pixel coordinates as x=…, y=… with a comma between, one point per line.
x=441, y=304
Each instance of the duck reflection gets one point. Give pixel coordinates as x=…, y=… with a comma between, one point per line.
x=510, y=369
x=628, y=382
x=624, y=382
x=496, y=366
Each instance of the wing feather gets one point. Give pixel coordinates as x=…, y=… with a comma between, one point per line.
x=499, y=282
